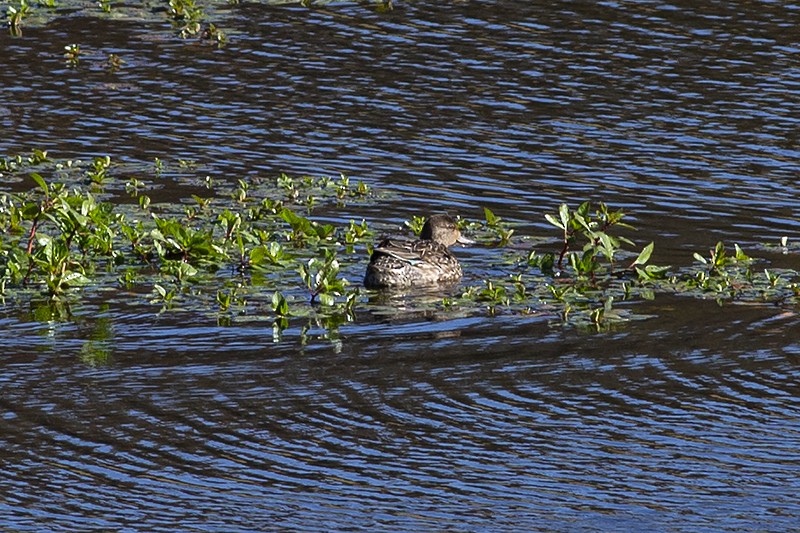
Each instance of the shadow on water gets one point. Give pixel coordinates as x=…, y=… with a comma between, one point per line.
x=684, y=114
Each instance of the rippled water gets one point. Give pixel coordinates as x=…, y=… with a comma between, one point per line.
x=685, y=114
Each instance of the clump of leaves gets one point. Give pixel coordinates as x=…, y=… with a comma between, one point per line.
x=415, y=224
x=496, y=225
x=114, y=62
x=98, y=172
x=320, y=276
x=175, y=240
x=186, y=15
x=581, y=281
x=68, y=232
x=594, y=228
x=305, y=231
x=736, y=275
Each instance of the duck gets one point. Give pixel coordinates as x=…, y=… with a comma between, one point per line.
x=402, y=263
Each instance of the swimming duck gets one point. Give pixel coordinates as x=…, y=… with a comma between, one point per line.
x=400, y=263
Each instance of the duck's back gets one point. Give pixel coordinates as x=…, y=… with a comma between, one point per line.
x=400, y=263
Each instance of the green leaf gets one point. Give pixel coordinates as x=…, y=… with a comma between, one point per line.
x=644, y=255
x=291, y=217
x=258, y=254
x=580, y=219
x=651, y=272
x=279, y=304
x=625, y=240
x=700, y=258
x=30, y=210
x=327, y=299
x=324, y=231
x=75, y=278
x=563, y=213
x=609, y=246
x=740, y=255
x=187, y=270
x=554, y=221
x=491, y=218
x=41, y=183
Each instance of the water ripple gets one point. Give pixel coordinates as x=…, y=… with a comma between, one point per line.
x=684, y=114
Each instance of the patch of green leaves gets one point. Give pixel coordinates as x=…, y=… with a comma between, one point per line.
x=320, y=276
x=256, y=245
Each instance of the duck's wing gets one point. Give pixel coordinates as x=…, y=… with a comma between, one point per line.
x=413, y=252
x=402, y=250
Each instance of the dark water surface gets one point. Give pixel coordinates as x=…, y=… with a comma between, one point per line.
x=685, y=114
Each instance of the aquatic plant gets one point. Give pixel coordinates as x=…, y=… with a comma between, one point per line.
x=736, y=276
x=496, y=225
x=186, y=15
x=320, y=276
x=580, y=282
x=599, y=243
x=59, y=236
x=16, y=14
x=114, y=63
x=98, y=171
x=197, y=19
x=67, y=231
x=254, y=248
x=72, y=53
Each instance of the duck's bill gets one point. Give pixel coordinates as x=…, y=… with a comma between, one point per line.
x=463, y=240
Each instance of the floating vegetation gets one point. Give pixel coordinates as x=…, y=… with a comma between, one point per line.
x=583, y=283
x=189, y=18
x=253, y=239
x=254, y=249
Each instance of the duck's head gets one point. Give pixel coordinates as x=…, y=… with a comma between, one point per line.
x=442, y=229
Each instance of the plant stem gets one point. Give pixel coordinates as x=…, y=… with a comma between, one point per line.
x=32, y=234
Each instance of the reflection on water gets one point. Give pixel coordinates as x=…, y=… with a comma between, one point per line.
x=686, y=115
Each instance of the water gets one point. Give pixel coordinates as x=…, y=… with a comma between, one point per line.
x=684, y=114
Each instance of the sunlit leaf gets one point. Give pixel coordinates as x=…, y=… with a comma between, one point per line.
x=644, y=255
x=554, y=221
x=41, y=183
x=327, y=299
x=491, y=218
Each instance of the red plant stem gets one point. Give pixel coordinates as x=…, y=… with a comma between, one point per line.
x=564, y=250
x=32, y=234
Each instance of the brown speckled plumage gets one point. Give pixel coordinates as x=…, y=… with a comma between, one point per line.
x=397, y=263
